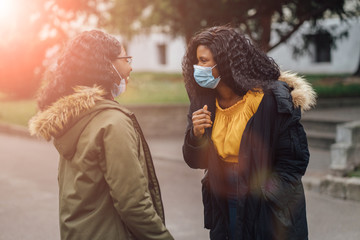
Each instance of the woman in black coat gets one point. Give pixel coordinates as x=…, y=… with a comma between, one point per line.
x=244, y=130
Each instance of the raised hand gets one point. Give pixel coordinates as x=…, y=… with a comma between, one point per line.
x=201, y=119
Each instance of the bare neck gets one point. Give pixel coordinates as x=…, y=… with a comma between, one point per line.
x=226, y=96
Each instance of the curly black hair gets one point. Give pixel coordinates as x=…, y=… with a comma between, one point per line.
x=84, y=61
x=241, y=65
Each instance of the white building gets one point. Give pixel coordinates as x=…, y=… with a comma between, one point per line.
x=322, y=58
x=156, y=52
x=161, y=53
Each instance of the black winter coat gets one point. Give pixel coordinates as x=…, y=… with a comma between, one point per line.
x=273, y=157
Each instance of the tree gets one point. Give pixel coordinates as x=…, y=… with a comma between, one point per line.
x=28, y=29
x=254, y=17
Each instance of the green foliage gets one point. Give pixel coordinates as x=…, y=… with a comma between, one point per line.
x=319, y=78
x=333, y=86
x=355, y=173
x=186, y=17
x=338, y=90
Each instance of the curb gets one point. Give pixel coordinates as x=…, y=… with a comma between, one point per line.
x=337, y=187
x=15, y=130
x=323, y=103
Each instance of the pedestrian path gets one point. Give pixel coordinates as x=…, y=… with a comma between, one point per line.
x=29, y=199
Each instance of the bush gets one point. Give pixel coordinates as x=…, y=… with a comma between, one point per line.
x=335, y=86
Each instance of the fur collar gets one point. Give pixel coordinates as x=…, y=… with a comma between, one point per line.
x=302, y=93
x=52, y=121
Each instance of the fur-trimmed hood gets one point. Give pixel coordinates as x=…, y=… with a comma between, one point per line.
x=303, y=95
x=54, y=120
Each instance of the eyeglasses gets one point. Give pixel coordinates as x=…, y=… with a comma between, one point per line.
x=128, y=58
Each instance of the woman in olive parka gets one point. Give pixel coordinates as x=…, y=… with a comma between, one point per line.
x=107, y=183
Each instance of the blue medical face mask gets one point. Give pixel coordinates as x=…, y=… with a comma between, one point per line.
x=203, y=76
x=118, y=89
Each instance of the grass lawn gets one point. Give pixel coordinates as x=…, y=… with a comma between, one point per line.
x=154, y=88
x=17, y=112
x=143, y=88
x=166, y=88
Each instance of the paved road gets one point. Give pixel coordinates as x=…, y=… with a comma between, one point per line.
x=28, y=200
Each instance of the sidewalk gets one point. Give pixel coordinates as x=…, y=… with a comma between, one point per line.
x=29, y=199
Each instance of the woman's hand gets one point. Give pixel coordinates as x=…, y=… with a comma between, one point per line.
x=201, y=120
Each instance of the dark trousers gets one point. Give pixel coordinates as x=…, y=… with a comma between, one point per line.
x=231, y=181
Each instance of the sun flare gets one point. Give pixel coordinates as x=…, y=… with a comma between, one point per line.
x=7, y=9
x=9, y=14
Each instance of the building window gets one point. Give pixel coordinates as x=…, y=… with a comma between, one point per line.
x=162, y=53
x=322, y=47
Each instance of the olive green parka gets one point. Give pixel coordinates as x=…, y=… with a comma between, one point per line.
x=107, y=183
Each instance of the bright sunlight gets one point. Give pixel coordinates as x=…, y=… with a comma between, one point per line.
x=9, y=13
x=7, y=10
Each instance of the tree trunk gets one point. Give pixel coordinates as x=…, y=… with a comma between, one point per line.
x=265, y=25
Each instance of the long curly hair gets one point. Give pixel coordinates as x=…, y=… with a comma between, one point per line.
x=241, y=65
x=84, y=61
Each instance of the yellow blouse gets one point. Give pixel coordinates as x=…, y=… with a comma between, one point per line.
x=230, y=124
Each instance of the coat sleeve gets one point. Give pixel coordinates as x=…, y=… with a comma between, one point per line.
x=291, y=160
x=127, y=182
x=195, y=151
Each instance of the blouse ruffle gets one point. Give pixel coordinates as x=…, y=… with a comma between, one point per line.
x=230, y=124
